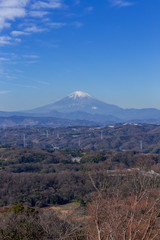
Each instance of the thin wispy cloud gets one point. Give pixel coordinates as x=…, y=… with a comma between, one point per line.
x=5, y=40
x=89, y=9
x=77, y=24
x=10, y=10
x=31, y=17
x=47, y=4
x=26, y=86
x=38, y=14
x=10, y=77
x=13, y=3
x=17, y=39
x=3, y=59
x=42, y=82
x=56, y=24
x=30, y=62
x=19, y=33
x=77, y=2
x=28, y=30
x=121, y=3
x=31, y=56
x=34, y=29
x=4, y=92
x=19, y=20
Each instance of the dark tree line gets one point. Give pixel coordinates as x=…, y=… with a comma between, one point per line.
x=126, y=208
x=42, y=177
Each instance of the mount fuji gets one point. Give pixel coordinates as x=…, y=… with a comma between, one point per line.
x=79, y=102
x=82, y=106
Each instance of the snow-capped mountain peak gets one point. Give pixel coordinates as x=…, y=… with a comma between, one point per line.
x=80, y=102
x=79, y=94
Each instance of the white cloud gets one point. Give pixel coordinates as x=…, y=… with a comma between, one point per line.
x=4, y=24
x=4, y=92
x=19, y=33
x=56, y=24
x=89, y=9
x=4, y=40
x=121, y=3
x=77, y=2
x=42, y=82
x=77, y=24
x=3, y=59
x=38, y=14
x=13, y=3
x=10, y=10
x=17, y=39
x=25, y=86
x=27, y=31
x=29, y=11
x=11, y=13
x=34, y=29
x=31, y=56
x=47, y=4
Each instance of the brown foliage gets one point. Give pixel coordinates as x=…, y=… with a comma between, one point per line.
x=135, y=217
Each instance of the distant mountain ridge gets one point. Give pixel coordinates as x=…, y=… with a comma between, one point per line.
x=78, y=101
x=20, y=121
x=83, y=106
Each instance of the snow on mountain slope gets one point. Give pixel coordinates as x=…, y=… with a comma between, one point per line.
x=81, y=105
x=79, y=101
x=78, y=94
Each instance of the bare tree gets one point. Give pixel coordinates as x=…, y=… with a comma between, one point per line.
x=126, y=216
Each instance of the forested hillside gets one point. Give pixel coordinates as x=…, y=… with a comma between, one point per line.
x=90, y=183
x=120, y=137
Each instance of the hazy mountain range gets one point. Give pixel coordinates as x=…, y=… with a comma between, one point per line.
x=82, y=106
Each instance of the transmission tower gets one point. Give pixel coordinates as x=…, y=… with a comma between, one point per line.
x=141, y=145
x=101, y=135
x=47, y=134
x=57, y=135
x=24, y=140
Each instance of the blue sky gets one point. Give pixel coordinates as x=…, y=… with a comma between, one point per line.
x=108, y=48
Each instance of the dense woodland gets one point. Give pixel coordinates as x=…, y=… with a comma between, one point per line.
x=40, y=177
x=116, y=192
x=118, y=207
